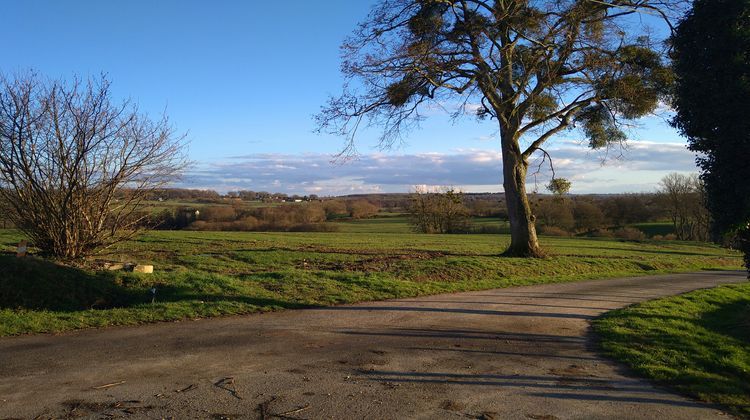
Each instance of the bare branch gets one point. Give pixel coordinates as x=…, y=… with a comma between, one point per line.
x=74, y=167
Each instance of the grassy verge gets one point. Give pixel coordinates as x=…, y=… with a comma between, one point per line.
x=697, y=343
x=203, y=274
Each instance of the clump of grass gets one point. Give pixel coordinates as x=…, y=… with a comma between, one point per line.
x=698, y=343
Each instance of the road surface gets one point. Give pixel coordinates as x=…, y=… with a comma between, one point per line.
x=516, y=353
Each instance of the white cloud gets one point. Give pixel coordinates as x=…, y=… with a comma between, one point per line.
x=638, y=168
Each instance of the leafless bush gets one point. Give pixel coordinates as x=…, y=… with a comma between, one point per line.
x=74, y=166
x=438, y=211
x=555, y=212
x=554, y=231
x=684, y=198
x=630, y=234
x=218, y=214
x=588, y=216
x=361, y=209
x=602, y=233
x=334, y=209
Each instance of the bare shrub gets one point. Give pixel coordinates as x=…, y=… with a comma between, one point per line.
x=588, y=216
x=334, y=209
x=75, y=167
x=361, y=209
x=602, y=233
x=246, y=224
x=218, y=214
x=625, y=209
x=629, y=234
x=554, y=231
x=554, y=212
x=310, y=213
x=684, y=198
x=438, y=211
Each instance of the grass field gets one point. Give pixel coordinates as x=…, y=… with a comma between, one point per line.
x=655, y=228
x=202, y=274
x=399, y=223
x=697, y=343
x=387, y=224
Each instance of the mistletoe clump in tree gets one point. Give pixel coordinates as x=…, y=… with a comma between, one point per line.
x=536, y=67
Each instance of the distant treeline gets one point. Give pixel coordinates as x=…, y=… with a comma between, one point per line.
x=305, y=216
x=180, y=194
x=561, y=215
x=595, y=215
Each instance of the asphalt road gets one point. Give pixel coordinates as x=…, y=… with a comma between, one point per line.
x=517, y=353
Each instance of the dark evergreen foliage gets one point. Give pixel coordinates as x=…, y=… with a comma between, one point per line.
x=712, y=99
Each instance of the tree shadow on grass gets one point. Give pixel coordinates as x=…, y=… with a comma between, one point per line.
x=647, y=251
x=731, y=319
x=38, y=284
x=701, y=364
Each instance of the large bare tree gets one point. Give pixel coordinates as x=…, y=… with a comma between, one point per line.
x=74, y=166
x=535, y=67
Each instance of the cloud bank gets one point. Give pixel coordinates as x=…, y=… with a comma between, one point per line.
x=635, y=169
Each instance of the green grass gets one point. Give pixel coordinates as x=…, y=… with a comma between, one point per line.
x=380, y=224
x=655, y=228
x=697, y=343
x=202, y=274
x=399, y=223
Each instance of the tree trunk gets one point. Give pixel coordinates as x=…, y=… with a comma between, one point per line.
x=523, y=240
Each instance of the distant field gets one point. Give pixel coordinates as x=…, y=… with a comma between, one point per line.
x=202, y=274
x=655, y=228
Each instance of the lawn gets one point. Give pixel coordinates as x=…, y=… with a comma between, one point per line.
x=399, y=223
x=698, y=343
x=203, y=274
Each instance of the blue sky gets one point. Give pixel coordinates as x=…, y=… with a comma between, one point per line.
x=244, y=78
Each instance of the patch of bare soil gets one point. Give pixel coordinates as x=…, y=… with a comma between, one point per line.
x=542, y=416
x=79, y=408
x=451, y=405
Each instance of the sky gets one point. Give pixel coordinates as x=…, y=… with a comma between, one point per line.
x=243, y=80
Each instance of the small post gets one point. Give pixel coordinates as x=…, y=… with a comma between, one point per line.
x=153, y=294
x=23, y=248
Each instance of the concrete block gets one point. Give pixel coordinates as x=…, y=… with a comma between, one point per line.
x=147, y=269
